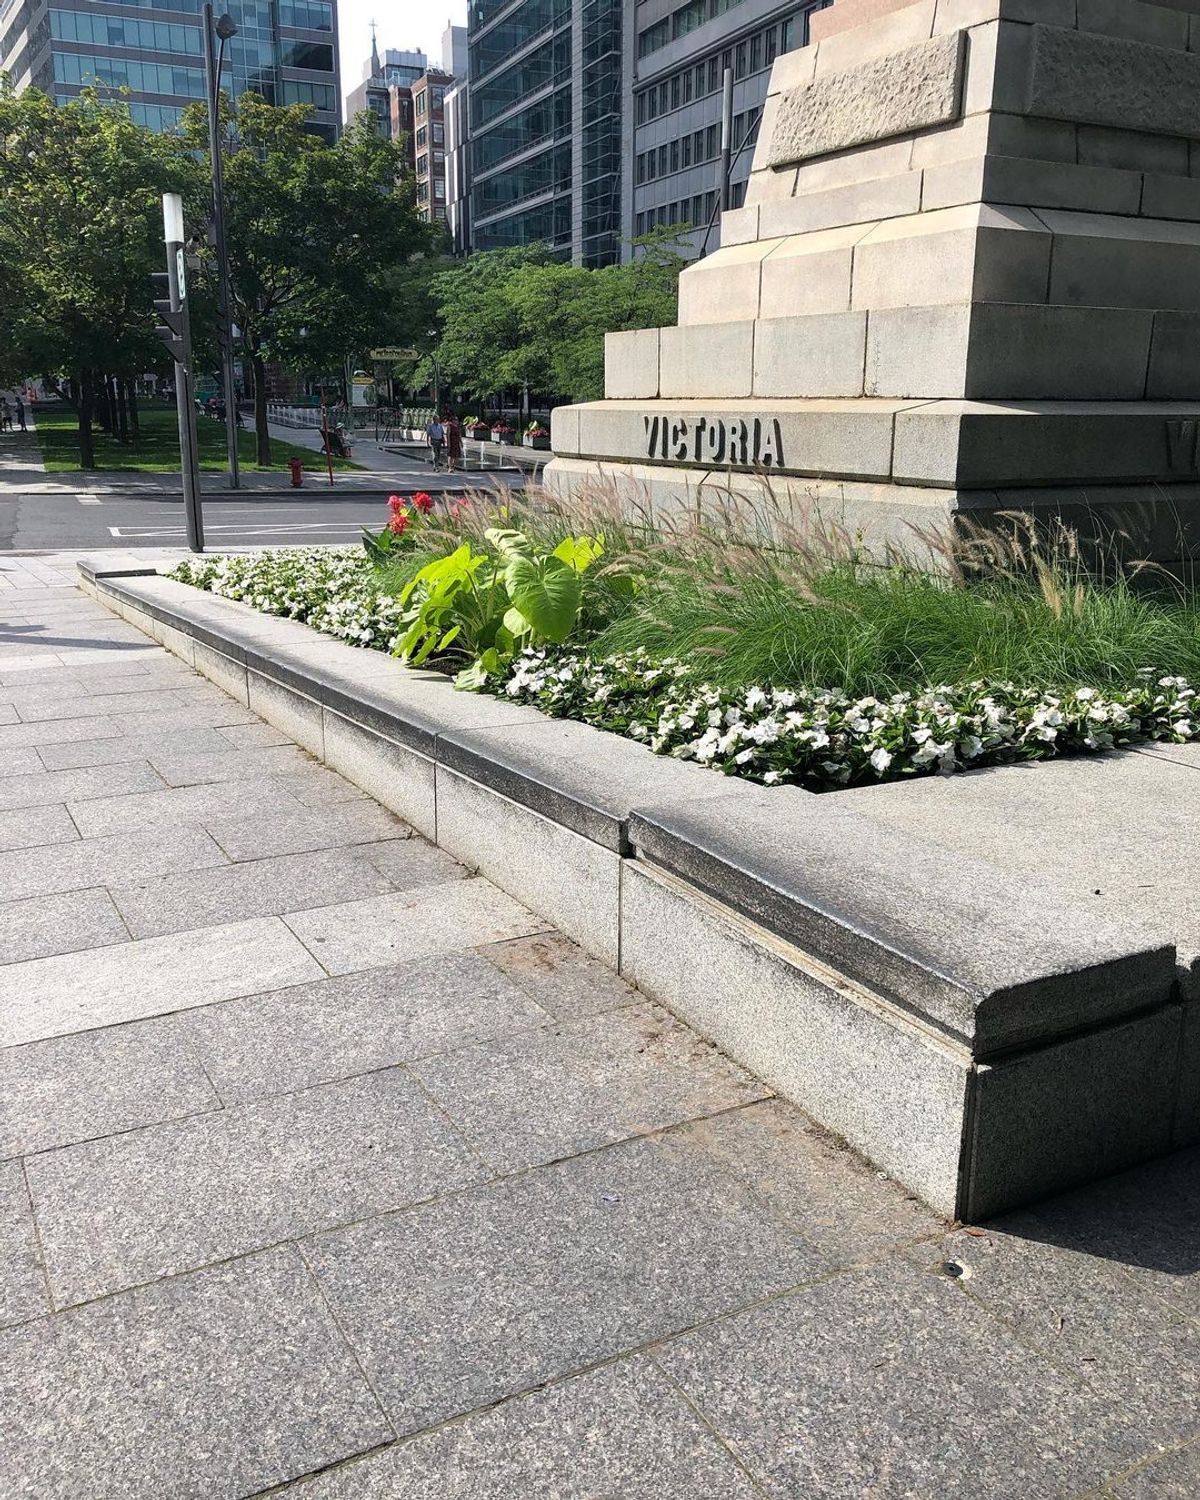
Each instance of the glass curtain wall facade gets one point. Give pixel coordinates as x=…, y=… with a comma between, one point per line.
x=543, y=109
x=675, y=60
x=285, y=50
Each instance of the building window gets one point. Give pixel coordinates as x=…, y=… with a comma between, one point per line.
x=419, y=103
x=641, y=108
x=676, y=87
x=688, y=17
x=739, y=60
x=662, y=161
x=770, y=45
x=675, y=156
x=687, y=87
x=712, y=141
x=422, y=136
x=756, y=52
x=697, y=209
x=422, y=165
x=654, y=37
x=714, y=74
x=685, y=152
x=317, y=56
x=439, y=190
x=439, y=135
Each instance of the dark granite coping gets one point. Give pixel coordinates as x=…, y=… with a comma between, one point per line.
x=992, y=962
x=995, y=961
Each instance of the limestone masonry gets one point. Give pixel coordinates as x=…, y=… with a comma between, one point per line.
x=966, y=279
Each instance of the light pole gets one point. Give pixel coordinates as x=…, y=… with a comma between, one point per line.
x=175, y=332
x=224, y=28
x=437, y=377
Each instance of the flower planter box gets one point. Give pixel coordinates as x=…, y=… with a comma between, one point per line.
x=536, y=442
x=480, y=431
x=499, y=435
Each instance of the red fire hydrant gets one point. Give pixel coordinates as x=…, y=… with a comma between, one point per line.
x=297, y=467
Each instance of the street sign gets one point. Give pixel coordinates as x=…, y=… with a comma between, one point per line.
x=389, y=356
x=170, y=324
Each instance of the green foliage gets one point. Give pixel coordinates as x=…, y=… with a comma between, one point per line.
x=519, y=316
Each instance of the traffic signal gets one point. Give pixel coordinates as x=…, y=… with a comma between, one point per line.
x=170, y=327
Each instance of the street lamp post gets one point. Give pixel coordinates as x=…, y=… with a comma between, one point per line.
x=224, y=28
x=175, y=332
x=437, y=377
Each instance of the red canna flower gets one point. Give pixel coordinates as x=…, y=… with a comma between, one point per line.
x=422, y=501
x=399, y=521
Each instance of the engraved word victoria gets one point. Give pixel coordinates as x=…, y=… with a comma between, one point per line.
x=755, y=442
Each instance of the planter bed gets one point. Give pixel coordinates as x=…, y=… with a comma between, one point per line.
x=982, y=1039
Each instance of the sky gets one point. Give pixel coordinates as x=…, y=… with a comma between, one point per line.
x=408, y=25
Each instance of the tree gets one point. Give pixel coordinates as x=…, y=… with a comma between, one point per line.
x=313, y=231
x=522, y=317
x=81, y=190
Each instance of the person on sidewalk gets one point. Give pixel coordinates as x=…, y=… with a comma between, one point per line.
x=435, y=434
x=5, y=415
x=21, y=414
x=454, y=448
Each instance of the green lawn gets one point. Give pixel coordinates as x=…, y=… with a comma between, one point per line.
x=157, y=450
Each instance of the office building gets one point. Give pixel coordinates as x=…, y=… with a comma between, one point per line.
x=458, y=181
x=385, y=89
x=285, y=50
x=429, y=143
x=544, y=102
x=675, y=58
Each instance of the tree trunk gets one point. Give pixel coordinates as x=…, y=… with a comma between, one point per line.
x=87, y=453
x=135, y=426
x=262, y=435
x=122, y=410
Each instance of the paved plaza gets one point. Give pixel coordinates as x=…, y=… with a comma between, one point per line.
x=327, y=1170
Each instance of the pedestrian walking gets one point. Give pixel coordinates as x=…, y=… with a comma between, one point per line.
x=454, y=448
x=435, y=434
x=5, y=415
x=21, y=414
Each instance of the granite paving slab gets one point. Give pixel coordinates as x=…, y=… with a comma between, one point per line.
x=98, y=1083
x=253, y=888
x=336, y=1028
x=107, y=860
x=99, y=705
x=257, y=736
x=888, y=1381
x=172, y=1197
x=618, y=1433
x=300, y=829
x=224, y=763
x=31, y=827
x=561, y=977
x=561, y=1090
x=208, y=1387
x=196, y=716
x=129, y=747
x=412, y=862
x=39, y=926
x=164, y=808
x=21, y=762
x=46, y=997
x=1174, y=1476
x=460, y=1303
x=443, y=918
x=23, y=1292
x=74, y=787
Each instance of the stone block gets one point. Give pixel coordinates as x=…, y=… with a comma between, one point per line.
x=1104, y=261
x=228, y=675
x=818, y=355
x=738, y=226
x=998, y=63
x=1171, y=197
x=820, y=436
x=716, y=360
x=662, y=1237
x=586, y=781
x=1034, y=184
x=399, y=778
x=173, y=1197
x=1132, y=150
x=568, y=879
x=969, y=254
x=443, y=918
x=298, y=716
x=904, y=91
x=890, y=1090
x=1111, y=80
x=769, y=185
x=1174, y=373
x=43, y=925
x=859, y=164
x=810, y=273
x=724, y=287
x=792, y=70
x=881, y=35
x=1040, y=970
x=564, y=429
x=32, y=827
x=1072, y=1112
x=1157, y=25
x=37, y=788
x=253, y=1336
x=631, y=363
x=859, y=203
x=46, y=997
x=953, y=14
x=1043, y=140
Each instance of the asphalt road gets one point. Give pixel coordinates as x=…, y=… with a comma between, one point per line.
x=33, y=521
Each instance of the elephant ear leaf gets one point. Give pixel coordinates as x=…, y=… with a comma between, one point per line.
x=546, y=593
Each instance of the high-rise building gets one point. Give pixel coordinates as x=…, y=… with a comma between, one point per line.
x=458, y=180
x=386, y=89
x=429, y=143
x=675, y=58
x=285, y=50
x=544, y=102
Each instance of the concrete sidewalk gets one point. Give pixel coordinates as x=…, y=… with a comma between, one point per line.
x=324, y=1166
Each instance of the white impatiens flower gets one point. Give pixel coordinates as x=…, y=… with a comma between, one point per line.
x=881, y=759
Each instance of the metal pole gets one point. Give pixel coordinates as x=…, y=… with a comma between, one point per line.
x=184, y=403
x=726, y=135
x=212, y=76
